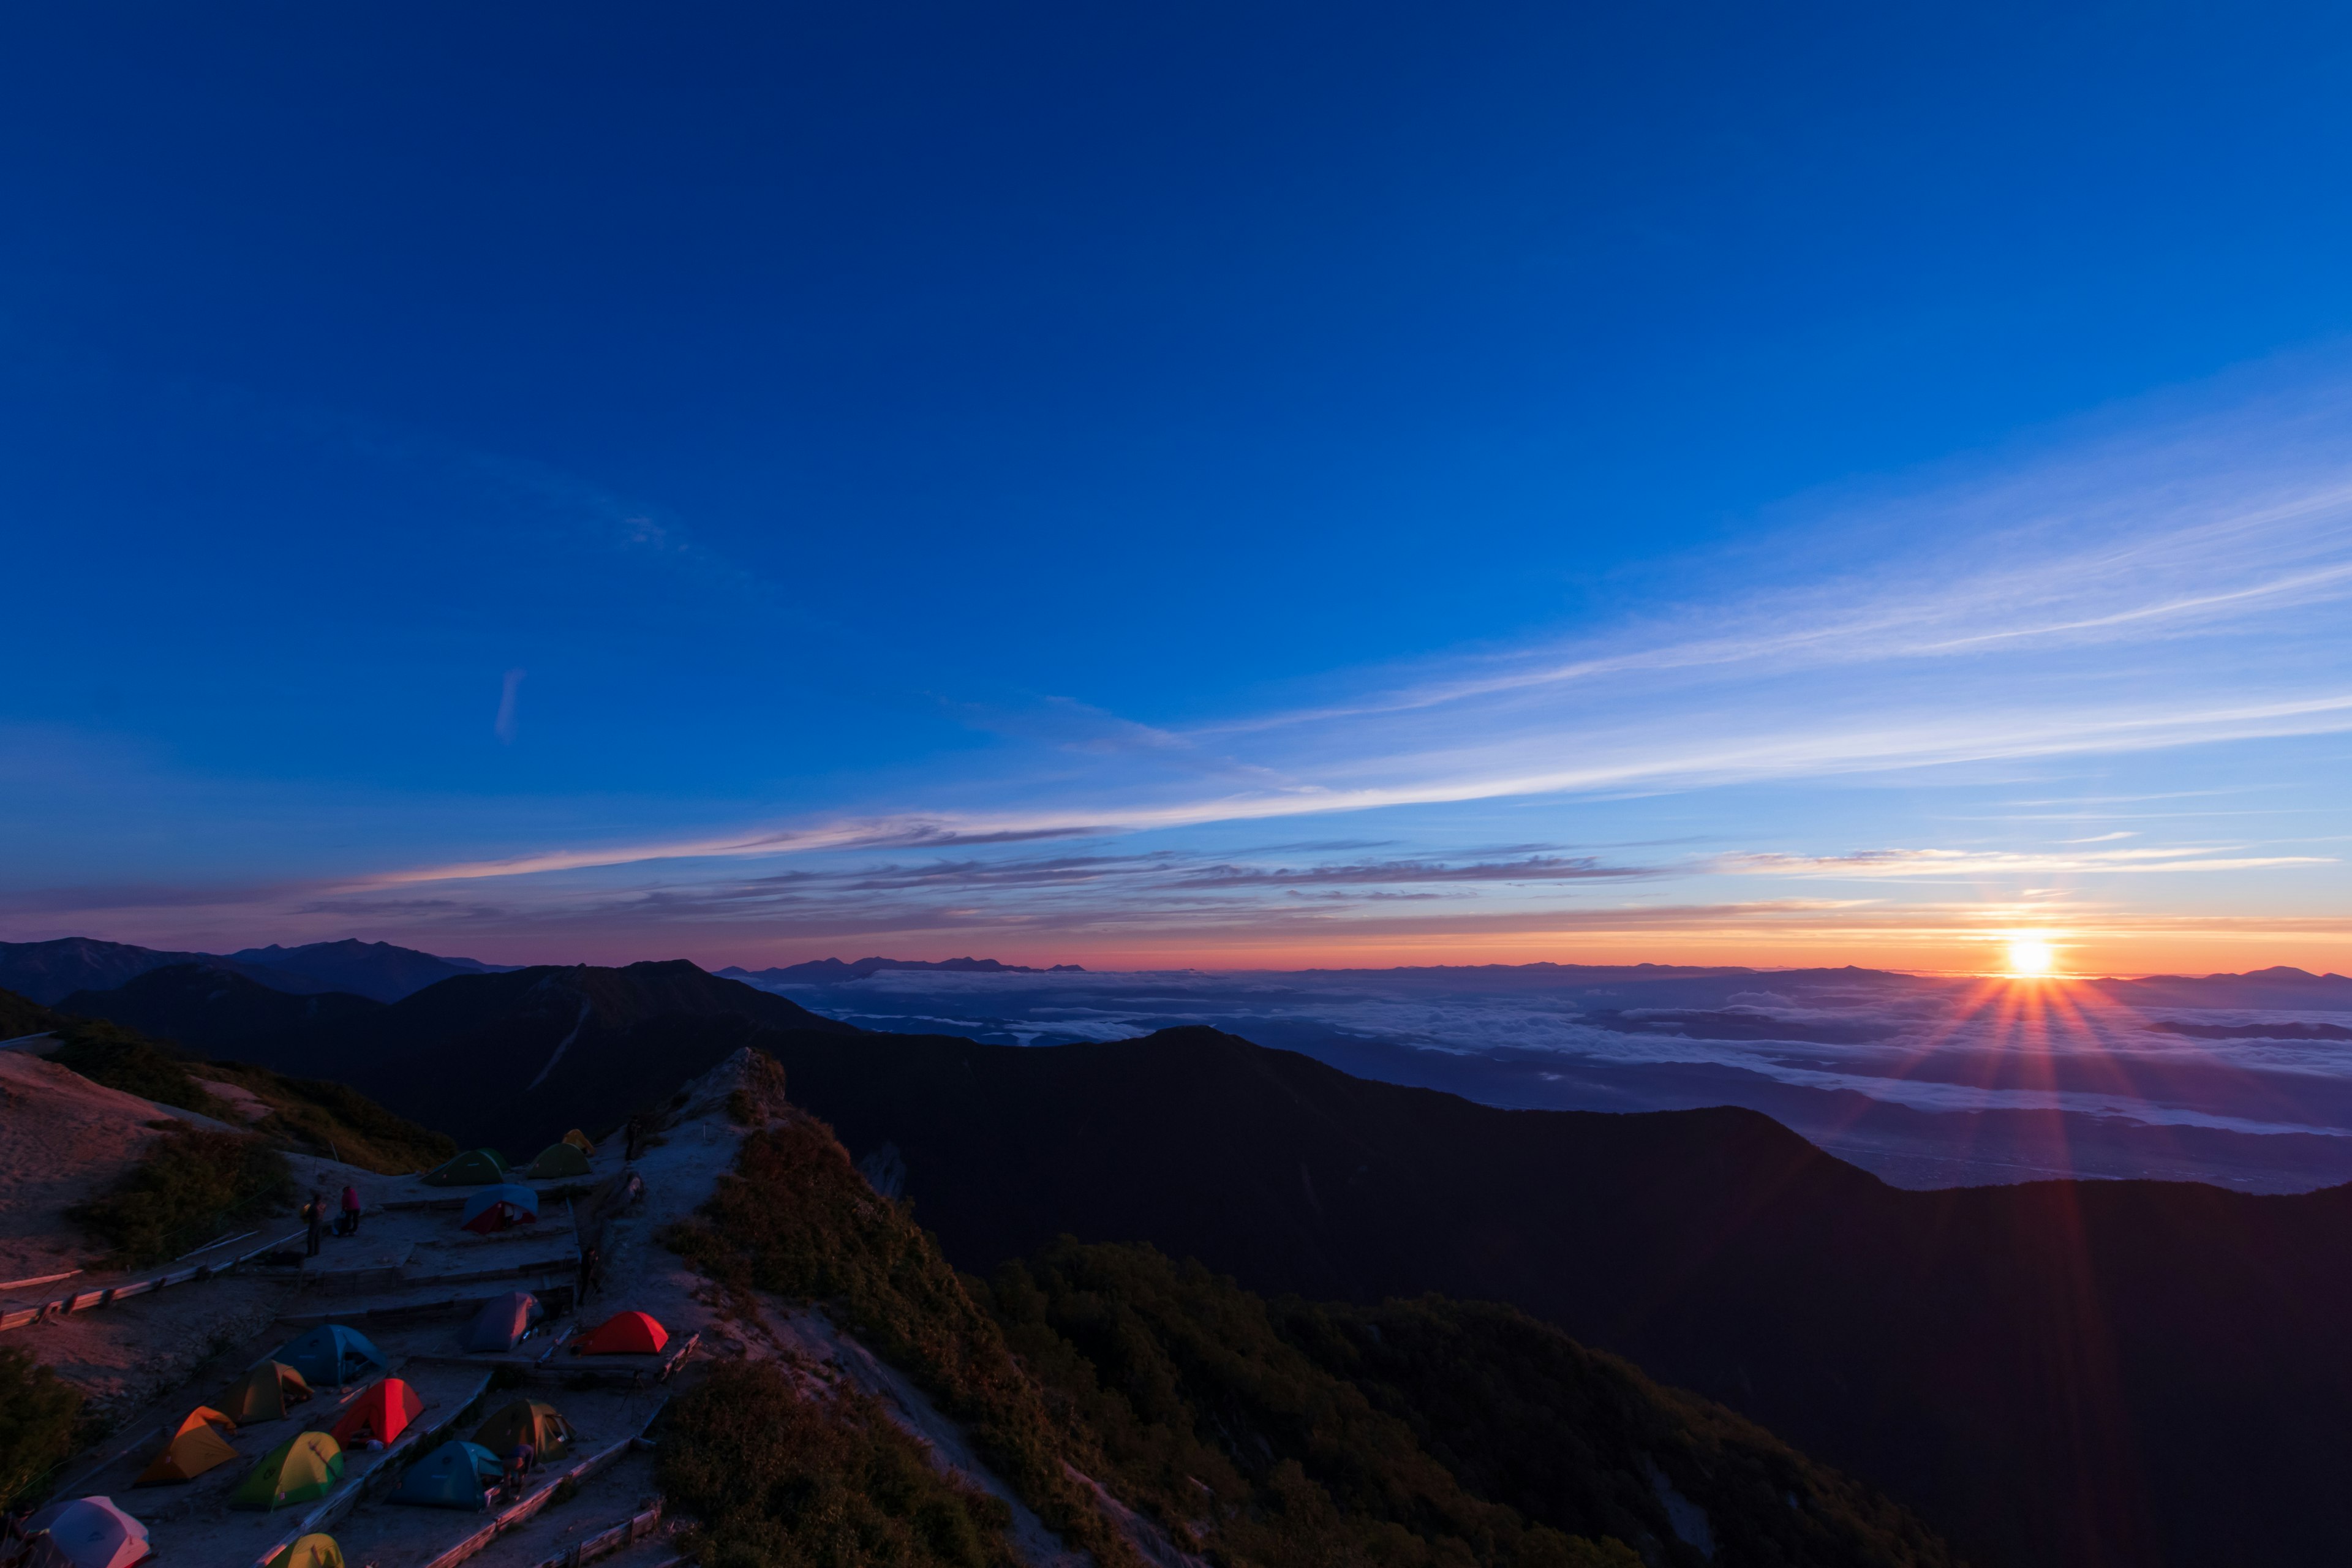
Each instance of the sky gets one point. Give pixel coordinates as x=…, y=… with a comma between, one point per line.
x=1213, y=486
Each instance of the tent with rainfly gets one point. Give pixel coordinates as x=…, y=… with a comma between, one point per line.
x=198, y=1445
x=303, y=1467
x=582, y=1141
x=383, y=1413
x=623, y=1333
x=503, y=1321
x=495, y=1208
x=556, y=1162
x=313, y=1551
x=86, y=1532
x=474, y=1168
x=332, y=1355
x=264, y=1392
x=527, y=1421
x=454, y=1474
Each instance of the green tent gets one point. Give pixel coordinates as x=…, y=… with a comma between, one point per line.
x=264, y=1394
x=303, y=1467
x=313, y=1551
x=527, y=1421
x=474, y=1168
x=556, y=1162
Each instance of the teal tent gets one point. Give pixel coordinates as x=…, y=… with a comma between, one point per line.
x=454, y=1474
x=474, y=1168
x=332, y=1356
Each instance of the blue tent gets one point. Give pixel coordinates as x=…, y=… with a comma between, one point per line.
x=503, y=1322
x=331, y=1356
x=495, y=1208
x=454, y=1474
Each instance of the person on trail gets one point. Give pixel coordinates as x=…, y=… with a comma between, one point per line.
x=519, y=1459
x=636, y=1132
x=315, y=1212
x=351, y=1210
x=592, y=1270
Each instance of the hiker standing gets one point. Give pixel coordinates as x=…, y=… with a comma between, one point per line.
x=592, y=1269
x=351, y=1210
x=315, y=1212
x=634, y=1132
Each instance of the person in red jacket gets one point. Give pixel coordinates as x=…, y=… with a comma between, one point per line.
x=351, y=1210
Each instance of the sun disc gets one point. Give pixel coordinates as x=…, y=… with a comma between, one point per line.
x=2028, y=955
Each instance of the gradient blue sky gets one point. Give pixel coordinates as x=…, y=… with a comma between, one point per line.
x=1218, y=485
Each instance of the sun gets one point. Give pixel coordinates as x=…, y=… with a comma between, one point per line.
x=2028, y=955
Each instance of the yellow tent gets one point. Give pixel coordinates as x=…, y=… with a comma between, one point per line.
x=194, y=1449
x=266, y=1392
x=313, y=1551
x=526, y=1421
x=303, y=1467
x=581, y=1140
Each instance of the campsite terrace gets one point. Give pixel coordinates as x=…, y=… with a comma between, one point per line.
x=411, y=1283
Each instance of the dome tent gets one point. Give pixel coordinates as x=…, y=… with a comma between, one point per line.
x=495, y=1208
x=556, y=1162
x=527, y=1421
x=582, y=1141
x=623, y=1333
x=264, y=1392
x=454, y=1474
x=474, y=1168
x=87, y=1532
x=303, y=1467
x=331, y=1356
x=313, y=1551
x=383, y=1413
x=503, y=1321
x=195, y=1447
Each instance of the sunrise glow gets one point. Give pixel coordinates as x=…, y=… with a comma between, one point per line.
x=2029, y=956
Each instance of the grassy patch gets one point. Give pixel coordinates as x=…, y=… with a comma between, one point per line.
x=795, y=1220
x=187, y=1189
x=779, y=1480
x=37, y=1414
x=323, y=1117
x=120, y=1058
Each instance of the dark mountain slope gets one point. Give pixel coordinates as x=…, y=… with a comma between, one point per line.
x=376, y=970
x=511, y=1060
x=2059, y=1373
x=49, y=972
x=207, y=1008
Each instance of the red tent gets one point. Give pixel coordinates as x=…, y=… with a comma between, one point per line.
x=622, y=1333
x=383, y=1413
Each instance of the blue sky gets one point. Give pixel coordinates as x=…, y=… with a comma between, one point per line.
x=1231, y=486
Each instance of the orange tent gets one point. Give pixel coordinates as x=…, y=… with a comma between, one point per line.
x=383, y=1413
x=623, y=1333
x=194, y=1449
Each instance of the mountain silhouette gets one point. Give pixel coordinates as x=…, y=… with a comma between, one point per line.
x=49, y=972
x=511, y=1060
x=2099, y=1372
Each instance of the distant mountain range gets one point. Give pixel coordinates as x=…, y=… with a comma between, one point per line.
x=49, y=972
x=834, y=971
x=511, y=1059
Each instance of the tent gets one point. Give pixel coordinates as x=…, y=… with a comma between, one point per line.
x=527, y=1421
x=474, y=1168
x=582, y=1141
x=495, y=1208
x=195, y=1447
x=313, y=1551
x=87, y=1532
x=332, y=1354
x=503, y=1321
x=622, y=1335
x=301, y=1469
x=263, y=1393
x=454, y=1474
x=556, y=1162
x=383, y=1413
